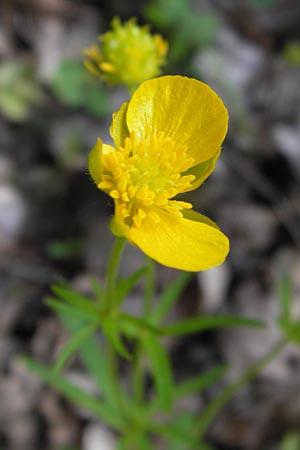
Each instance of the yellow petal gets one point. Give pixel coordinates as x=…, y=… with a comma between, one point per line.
x=185, y=109
x=190, y=245
x=118, y=129
x=202, y=171
x=95, y=161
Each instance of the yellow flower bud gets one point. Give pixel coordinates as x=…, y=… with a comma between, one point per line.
x=128, y=54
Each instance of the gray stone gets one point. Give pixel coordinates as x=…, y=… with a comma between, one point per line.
x=13, y=214
x=96, y=436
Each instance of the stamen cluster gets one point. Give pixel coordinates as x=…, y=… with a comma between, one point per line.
x=144, y=175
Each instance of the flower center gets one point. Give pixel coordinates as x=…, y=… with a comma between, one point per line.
x=144, y=175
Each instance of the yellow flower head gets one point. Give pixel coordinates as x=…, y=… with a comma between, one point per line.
x=167, y=140
x=128, y=54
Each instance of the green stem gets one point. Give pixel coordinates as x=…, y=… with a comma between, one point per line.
x=112, y=271
x=209, y=414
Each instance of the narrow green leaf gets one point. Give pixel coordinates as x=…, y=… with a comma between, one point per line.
x=97, y=289
x=75, y=394
x=63, y=308
x=134, y=326
x=74, y=343
x=172, y=432
x=112, y=333
x=143, y=442
x=184, y=425
x=94, y=359
x=169, y=297
x=203, y=323
x=285, y=296
x=73, y=298
x=125, y=285
x=199, y=383
x=161, y=370
x=132, y=439
x=291, y=441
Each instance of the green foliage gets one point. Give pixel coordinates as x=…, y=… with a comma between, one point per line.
x=199, y=383
x=186, y=28
x=203, y=323
x=140, y=416
x=73, y=345
x=291, y=53
x=19, y=90
x=125, y=285
x=112, y=333
x=288, y=323
x=185, y=424
x=94, y=359
x=98, y=291
x=291, y=441
x=161, y=370
x=73, y=85
x=75, y=394
x=169, y=296
x=80, y=302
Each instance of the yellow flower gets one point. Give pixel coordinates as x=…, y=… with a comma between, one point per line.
x=128, y=54
x=167, y=140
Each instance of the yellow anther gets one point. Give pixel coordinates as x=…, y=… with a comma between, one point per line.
x=107, y=67
x=125, y=197
x=122, y=183
x=114, y=194
x=104, y=185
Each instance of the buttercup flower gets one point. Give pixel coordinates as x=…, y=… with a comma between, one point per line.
x=128, y=54
x=167, y=140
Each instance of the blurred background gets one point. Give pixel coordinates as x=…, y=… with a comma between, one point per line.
x=54, y=222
